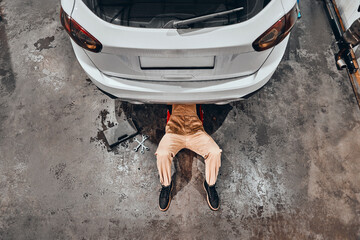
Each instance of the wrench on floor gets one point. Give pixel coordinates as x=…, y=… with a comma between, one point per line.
x=141, y=144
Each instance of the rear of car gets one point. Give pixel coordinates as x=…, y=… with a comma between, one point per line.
x=128, y=50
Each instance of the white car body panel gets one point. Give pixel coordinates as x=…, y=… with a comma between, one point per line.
x=227, y=65
x=288, y=5
x=237, y=69
x=67, y=6
x=115, y=38
x=216, y=91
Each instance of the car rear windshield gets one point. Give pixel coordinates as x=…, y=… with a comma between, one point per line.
x=157, y=13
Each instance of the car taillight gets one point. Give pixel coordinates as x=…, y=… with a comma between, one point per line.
x=79, y=34
x=277, y=32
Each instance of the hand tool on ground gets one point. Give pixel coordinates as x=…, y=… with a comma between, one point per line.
x=121, y=131
x=141, y=144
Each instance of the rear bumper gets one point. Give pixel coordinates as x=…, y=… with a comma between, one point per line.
x=214, y=91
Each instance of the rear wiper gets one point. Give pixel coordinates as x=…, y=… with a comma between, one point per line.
x=176, y=24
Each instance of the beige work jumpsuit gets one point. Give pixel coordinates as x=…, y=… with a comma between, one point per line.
x=185, y=130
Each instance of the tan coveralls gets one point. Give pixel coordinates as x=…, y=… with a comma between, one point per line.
x=185, y=130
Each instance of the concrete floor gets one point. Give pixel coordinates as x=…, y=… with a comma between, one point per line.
x=291, y=153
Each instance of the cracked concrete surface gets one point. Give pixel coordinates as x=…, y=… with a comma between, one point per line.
x=291, y=152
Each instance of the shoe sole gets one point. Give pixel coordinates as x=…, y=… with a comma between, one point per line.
x=207, y=198
x=167, y=207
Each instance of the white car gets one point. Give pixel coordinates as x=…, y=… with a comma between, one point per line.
x=179, y=51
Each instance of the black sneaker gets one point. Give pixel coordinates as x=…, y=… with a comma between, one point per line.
x=165, y=197
x=211, y=196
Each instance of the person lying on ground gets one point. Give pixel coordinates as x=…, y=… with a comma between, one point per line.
x=185, y=130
